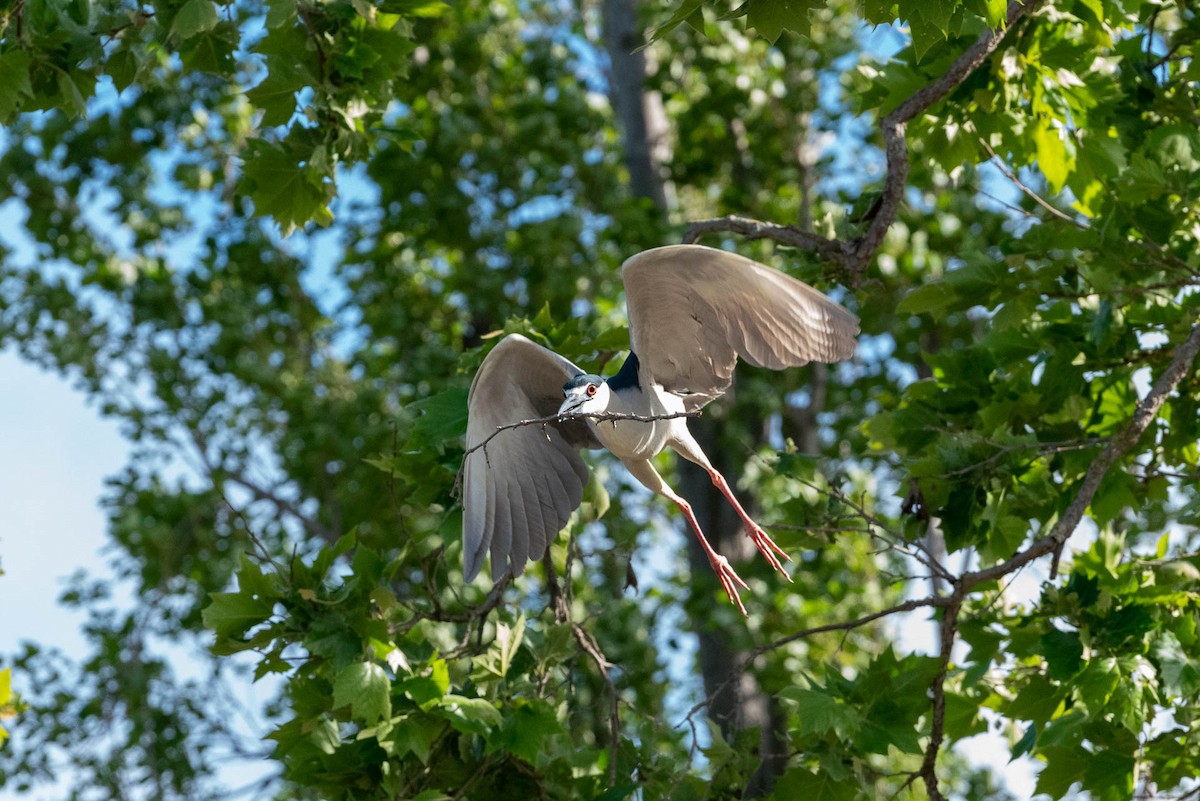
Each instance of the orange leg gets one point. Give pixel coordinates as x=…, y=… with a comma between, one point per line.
x=644, y=472
x=729, y=579
x=766, y=546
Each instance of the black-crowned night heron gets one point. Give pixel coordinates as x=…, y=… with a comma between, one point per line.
x=692, y=312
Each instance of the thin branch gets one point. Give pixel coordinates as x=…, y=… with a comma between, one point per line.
x=848, y=625
x=845, y=626
x=597, y=416
x=472, y=613
x=1042, y=448
x=895, y=125
x=1034, y=196
x=550, y=419
x=311, y=524
x=592, y=649
x=922, y=553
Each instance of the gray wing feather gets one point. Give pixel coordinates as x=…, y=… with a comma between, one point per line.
x=694, y=310
x=522, y=486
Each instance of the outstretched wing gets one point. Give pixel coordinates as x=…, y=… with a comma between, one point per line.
x=694, y=310
x=521, y=486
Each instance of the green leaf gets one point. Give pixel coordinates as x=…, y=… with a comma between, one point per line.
x=122, y=67
x=195, y=16
x=928, y=299
x=685, y=12
x=330, y=554
x=508, y=640
x=1180, y=675
x=1064, y=653
x=879, y=12
x=925, y=34
x=1174, y=147
x=936, y=12
x=1052, y=155
x=771, y=17
x=800, y=783
x=280, y=188
x=1038, y=701
x=995, y=12
x=432, y=795
x=416, y=734
x=1024, y=745
x=1109, y=776
x=68, y=90
x=209, y=51
x=818, y=712
x=276, y=96
x=473, y=715
x=441, y=418
x=6, y=700
x=426, y=9
x=365, y=688
x=280, y=13
x=440, y=674
x=886, y=729
x=15, y=87
x=526, y=728
x=230, y=614
x=1064, y=767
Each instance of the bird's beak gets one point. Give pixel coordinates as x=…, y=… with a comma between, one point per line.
x=569, y=405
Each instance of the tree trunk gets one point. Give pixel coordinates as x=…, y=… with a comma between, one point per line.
x=643, y=126
x=640, y=113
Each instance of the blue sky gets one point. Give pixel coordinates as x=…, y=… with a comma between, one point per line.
x=54, y=454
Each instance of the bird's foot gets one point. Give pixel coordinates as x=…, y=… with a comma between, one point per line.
x=767, y=547
x=729, y=579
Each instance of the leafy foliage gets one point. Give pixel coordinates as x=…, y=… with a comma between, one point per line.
x=1040, y=277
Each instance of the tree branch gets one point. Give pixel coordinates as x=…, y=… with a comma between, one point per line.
x=1147, y=409
x=592, y=649
x=260, y=493
x=1115, y=448
x=847, y=625
x=833, y=250
x=1034, y=196
x=895, y=125
x=854, y=255
x=947, y=631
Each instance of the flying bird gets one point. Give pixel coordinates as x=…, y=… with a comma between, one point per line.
x=693, y=312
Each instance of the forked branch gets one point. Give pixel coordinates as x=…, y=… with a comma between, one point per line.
x=855, y=255
x=1053, y=541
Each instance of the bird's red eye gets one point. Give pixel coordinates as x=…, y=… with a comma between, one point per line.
x=591, y=390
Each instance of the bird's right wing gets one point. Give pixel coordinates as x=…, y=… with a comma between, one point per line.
x=521, y=486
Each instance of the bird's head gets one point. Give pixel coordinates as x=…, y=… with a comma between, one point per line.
x=584, y=394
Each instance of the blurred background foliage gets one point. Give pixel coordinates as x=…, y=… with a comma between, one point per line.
x=275, y=240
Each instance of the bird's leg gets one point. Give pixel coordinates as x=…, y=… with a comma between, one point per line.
x=729, y=579
x=644, y=472
x=766, y=546
x=687, y=447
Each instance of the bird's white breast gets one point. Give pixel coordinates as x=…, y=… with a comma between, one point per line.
x=634, y=439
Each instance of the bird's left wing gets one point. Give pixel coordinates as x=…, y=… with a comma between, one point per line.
x=693, y=311
x=521, y=486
